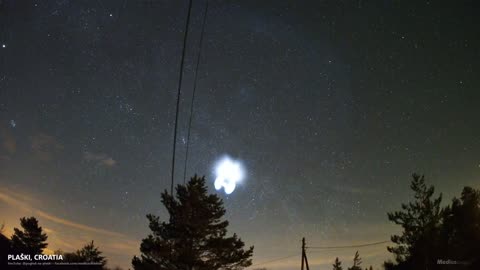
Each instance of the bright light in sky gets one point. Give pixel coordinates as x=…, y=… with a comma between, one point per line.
x=229, y=172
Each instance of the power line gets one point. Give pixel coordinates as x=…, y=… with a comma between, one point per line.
x=194, y=89
x=274, y=260
x=350, y=246
x=320, y=247
x=187, y=23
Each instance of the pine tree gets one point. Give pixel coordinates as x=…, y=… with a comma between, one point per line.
x=30, y=240
x=460, y=232
x=195, y=236
x=337, y=265
x=91, y=254
x=357, y=261
x=420, y=220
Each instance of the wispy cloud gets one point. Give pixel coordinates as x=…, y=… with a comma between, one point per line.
x=12, y=201
x=99, y=158
x=45, y=146
x=15, y=201
x=76, y=225
x=68, y=234
x=9, y=144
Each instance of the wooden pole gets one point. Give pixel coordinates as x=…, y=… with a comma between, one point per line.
x=304, y=255
x=303, y=251
x=306, y=261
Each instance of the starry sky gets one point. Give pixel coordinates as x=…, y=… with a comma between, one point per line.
x=330, y=105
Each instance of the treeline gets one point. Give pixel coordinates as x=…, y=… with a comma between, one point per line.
x=434, y=236
x=356, y=265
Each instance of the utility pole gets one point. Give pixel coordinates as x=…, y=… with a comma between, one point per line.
x=303, y=250
x=304, y=255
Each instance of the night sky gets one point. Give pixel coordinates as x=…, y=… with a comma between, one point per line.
x=330, y=105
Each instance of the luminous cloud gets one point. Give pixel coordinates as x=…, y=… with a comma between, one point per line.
x=228, y=173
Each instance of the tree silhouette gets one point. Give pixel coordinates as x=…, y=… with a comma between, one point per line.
x=431, y=233
x=4, y=246
x=195, y=236
x=337, y=265
x=91, y=254
x=77, y=259
x=30, y=240
x=357, y=261
x=460, y=234
x=420, y=220
x=87, y=254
